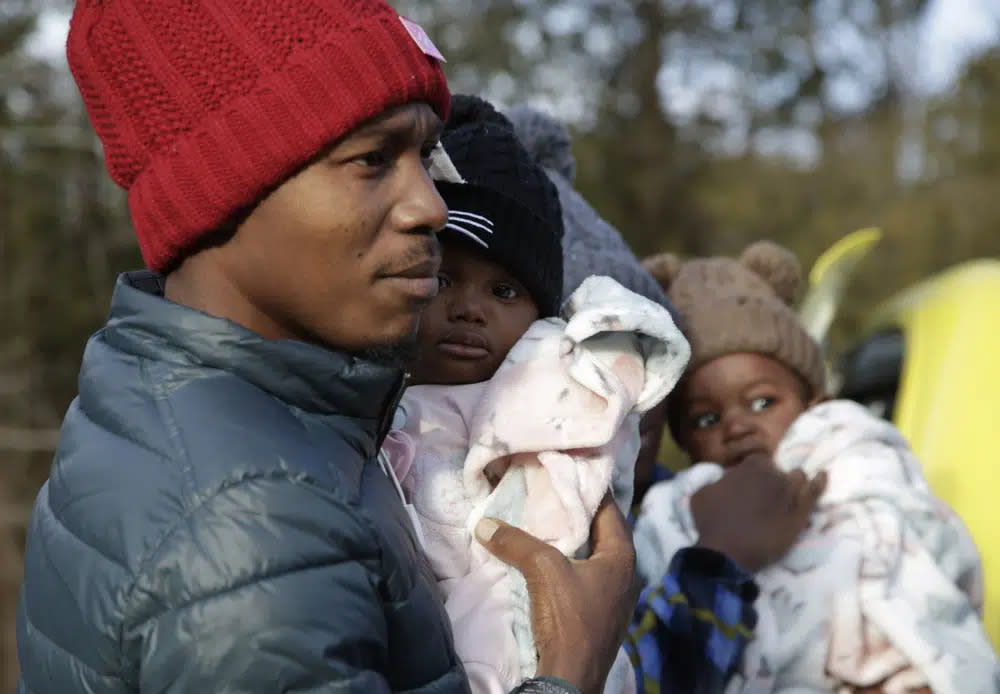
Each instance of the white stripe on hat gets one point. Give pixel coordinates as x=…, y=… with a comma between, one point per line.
x=471, y=215
x=465, y=232
x=470, y=224
x=457, y=217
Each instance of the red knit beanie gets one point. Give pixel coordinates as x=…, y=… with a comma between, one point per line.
x=203, y=106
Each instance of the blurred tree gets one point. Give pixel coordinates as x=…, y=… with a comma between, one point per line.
x=665, y=92
x=700, y=125
x=63, y=235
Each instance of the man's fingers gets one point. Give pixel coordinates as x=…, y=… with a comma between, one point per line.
x=609, y=533
x=515, y=547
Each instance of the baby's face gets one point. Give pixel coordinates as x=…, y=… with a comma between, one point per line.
x=470, y=326
x=738, y=406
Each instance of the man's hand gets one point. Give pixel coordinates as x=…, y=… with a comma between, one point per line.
x=755, y=512
x=580, y=610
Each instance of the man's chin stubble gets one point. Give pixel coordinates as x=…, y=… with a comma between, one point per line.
x=397, y=355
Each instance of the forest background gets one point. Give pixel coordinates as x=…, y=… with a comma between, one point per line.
x=699, y=126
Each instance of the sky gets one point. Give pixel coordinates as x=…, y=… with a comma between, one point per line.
x=952, y=32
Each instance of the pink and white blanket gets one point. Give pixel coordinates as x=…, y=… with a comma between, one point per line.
x=562, y=415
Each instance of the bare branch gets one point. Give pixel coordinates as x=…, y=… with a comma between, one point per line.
x=28, y=440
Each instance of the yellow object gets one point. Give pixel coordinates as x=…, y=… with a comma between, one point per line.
x=852, y=245
x=830, y=276
x=948, y=403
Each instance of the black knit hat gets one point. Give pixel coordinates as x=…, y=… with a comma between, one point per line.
x=507, y=207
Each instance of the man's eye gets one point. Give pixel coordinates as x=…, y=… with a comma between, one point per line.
x=704, y=421
x=761, y=404
x=505, y=291
x=375, y=159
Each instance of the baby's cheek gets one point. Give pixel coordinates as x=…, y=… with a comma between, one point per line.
x=701, y=448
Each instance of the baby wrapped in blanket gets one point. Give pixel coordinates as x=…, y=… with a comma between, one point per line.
x=884, y=587
x=882, y=591
x=517, y=413
x=555, y=428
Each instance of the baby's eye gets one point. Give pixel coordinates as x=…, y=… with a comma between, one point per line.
x=761, y=404
x=505, y=291
x=704, y=421
x=443, y=281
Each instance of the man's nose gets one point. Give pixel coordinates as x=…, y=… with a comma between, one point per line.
x=420, y=208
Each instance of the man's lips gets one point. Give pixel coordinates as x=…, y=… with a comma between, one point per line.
x=465, y=345
x=420, y=280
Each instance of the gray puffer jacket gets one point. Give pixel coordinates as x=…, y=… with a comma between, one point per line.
x=215, y=522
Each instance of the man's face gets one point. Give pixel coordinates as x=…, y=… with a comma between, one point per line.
x=344, y=253
x=478, y=315
x=737, y=406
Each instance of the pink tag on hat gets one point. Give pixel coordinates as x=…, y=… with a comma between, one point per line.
x=421, y=38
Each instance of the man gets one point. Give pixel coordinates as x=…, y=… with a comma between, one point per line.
x=215, y=520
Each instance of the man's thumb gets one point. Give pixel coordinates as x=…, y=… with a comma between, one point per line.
x=512, y=545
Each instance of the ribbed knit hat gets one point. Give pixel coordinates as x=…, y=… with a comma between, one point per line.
x=728, y=306
x=203, y=106
x=507, y=207
x=591, y=246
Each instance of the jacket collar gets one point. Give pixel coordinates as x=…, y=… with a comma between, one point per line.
x=306, y=376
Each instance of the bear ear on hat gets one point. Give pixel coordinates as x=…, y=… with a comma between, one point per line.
x=777, y=266
x=664, y=268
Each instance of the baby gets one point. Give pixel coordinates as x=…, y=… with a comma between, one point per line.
x=882, y=591
x=517, y=414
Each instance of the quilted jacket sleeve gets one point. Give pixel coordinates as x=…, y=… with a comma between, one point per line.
x=265, y=587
